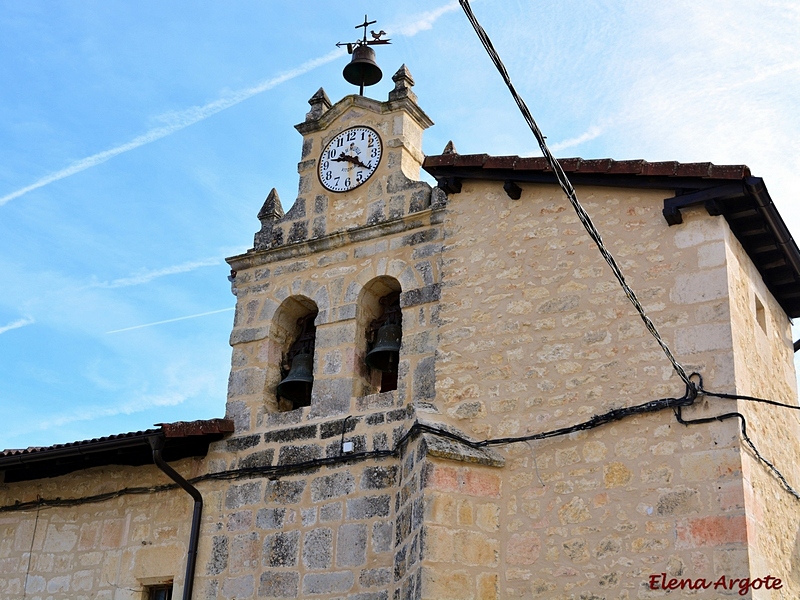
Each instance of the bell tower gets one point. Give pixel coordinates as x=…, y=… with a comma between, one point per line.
x=334, y=344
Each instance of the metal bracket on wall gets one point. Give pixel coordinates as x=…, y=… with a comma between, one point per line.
x=512, y=190
x=710, y=198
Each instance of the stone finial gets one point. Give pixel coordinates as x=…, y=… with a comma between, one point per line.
x=403, y=83
x=320, y=103
x=450, y=148
x=272, y=209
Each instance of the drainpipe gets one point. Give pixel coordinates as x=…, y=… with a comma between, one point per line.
x=157, y=444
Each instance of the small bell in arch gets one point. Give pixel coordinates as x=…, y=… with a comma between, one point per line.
x=385, y=354
x=299, y=365
x=296, y=386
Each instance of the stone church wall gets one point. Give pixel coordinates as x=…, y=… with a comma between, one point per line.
x=106, y=550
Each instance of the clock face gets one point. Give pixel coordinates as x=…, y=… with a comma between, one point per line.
x=349, y=159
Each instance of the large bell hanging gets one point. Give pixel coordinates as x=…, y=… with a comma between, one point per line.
x=296, y=386
x=362, y=69
x=385, y=354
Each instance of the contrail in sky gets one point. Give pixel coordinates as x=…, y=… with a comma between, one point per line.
x=180, y=120
x=16, y=324
x=213, y=312
x=147, y=276
x=190, y=116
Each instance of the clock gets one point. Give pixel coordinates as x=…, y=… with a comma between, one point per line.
x=350, y=159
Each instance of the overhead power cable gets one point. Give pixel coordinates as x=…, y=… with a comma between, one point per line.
x=417, y=428
x=565, y=184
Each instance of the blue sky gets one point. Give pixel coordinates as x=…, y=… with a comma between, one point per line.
x=138, y=141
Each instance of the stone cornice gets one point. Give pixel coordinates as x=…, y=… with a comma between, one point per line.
x=416, y=220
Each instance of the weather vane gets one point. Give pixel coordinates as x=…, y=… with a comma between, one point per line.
x=362, y=69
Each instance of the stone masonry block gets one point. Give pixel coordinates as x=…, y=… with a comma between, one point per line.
x=379, y=477
x=290, y=455
x=330, y=429
x=279, y=584
x=270, y=518
x=238, y=587
x=332, y=486
x=280, y=549
x=703, y=338
x=245, y=382
x=691, y=288
x=219, y=555
x=375, y=577
x=330, y=397
x=696, y=231
x=351, y=545
x=242, y=443
x=368, y=507
x=291, y=435
x=244, y=552
x=242, y=495
x=711, y=531
x=425, y=379
x=284, y=491
x=331, y=512
x=382, y=536
x=318, y=548
x=328, y=583
x=239, y=413
x=257, y=459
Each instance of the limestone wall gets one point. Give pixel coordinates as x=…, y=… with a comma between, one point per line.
x=98, y=551
x=763, y=356
x=536, y=335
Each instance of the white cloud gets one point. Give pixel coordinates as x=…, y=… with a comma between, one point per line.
x=590, y=134
x=16, y=324
x=147, y=276
x=175, y=122
x=212, y=312
x=424, y=21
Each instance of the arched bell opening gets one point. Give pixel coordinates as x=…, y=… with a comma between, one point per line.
x=294, y=333
x=378, y=348
x=385, y=336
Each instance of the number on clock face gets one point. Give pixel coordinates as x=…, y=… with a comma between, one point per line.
x=349, y=159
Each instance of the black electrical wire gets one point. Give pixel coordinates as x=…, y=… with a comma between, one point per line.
x=566, y=186
x=746, y=438
x=275, y=471
x=413, y=431
x=747, y=398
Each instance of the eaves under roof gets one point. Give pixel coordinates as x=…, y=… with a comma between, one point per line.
x=181, y=440
x=727, y=190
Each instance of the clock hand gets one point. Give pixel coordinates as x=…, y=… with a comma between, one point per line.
x=351, y=159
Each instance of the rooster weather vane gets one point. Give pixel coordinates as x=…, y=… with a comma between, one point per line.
x=362, y=69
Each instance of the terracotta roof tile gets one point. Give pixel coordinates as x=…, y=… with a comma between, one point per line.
x=173, y=430
x=500, y=162
x=703, y=170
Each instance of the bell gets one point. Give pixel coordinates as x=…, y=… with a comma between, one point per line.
x=362, y=69
x=386, y=351
x=296, y=386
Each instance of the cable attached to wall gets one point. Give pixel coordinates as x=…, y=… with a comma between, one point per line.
x=417, y=428
x=566, y=186
x=30, y=552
